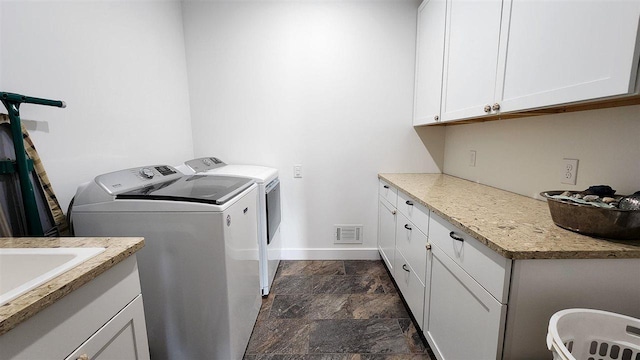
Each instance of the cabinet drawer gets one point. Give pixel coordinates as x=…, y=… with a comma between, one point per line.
x=487, y=267
x=388, y=192
x=410, y=241
x=418, y=214
x=410, y=286
x=465, y=321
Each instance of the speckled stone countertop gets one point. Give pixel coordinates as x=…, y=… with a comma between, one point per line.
x=514, y=226
x=32, y=302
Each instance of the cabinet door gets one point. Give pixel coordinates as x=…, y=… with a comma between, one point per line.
x=471, y=57
x=429, y=61
x=567, y=51
x=464, y=320
x=386, y=232
x=123, y=337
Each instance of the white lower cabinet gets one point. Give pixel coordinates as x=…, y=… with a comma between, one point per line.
x=466, y=300
x=103, y=319
x=462, y=321
x=123, y=337
x=401, y=242
x=480, y=305
x=471, y=303
x=442, y=278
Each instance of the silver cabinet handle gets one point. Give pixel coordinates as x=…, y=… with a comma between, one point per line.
x=385, y=186
x=487, y=108
x=408, y=202
x=404, y=267
x=436, y=118
x=393, y=212
x=406, y=226
x=455, y=236
x=495, y=107
x=428, y=246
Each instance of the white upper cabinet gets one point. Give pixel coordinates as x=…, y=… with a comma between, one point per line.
x=506, y=56
x=471, y=58
x=563, y=51
x=429, y=61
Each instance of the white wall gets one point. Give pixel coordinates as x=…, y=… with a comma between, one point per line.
x=119, y=65
x=328, y=85
x=525, y=155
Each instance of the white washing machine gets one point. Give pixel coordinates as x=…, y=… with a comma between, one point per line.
x=269, y=214
x=199, y=266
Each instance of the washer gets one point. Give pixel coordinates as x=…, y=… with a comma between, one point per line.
x=199, y=266
x=269, y=213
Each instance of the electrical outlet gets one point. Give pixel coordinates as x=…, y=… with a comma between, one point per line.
x=472, y=158
x=297, y=171
x=569, y=172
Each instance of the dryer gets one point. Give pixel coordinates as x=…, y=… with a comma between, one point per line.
x=199, y=266
x=269, y=213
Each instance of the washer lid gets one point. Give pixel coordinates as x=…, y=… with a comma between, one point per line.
x=197, y=188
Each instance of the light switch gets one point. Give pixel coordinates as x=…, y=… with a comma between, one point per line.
x=297, y=171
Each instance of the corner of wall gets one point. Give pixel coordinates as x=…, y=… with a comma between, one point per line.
x=433, y=139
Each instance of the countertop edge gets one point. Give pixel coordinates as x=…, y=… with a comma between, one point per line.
x=58, y=291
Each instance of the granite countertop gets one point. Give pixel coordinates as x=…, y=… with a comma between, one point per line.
x=32, y=302
x=514, y=226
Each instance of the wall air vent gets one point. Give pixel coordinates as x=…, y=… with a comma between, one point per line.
x=347, y=234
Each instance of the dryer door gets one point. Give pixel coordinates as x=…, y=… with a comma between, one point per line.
x=273, y=208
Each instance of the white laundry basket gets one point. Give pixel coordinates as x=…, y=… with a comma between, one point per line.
x=585, y=334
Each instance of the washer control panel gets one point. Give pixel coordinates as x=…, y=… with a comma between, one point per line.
x=129, y=179
x=147, y=173
x=204, y=164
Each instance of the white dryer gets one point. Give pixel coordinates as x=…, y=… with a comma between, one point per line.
x=269, y=213
x=199, y=266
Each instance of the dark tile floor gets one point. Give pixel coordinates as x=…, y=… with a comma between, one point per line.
x=334, y=310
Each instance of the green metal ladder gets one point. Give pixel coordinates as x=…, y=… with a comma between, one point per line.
x=22, y=164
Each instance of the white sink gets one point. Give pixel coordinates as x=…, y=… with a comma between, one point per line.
x=26, y=268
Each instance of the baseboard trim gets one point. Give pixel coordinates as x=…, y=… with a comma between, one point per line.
x=330, y=254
